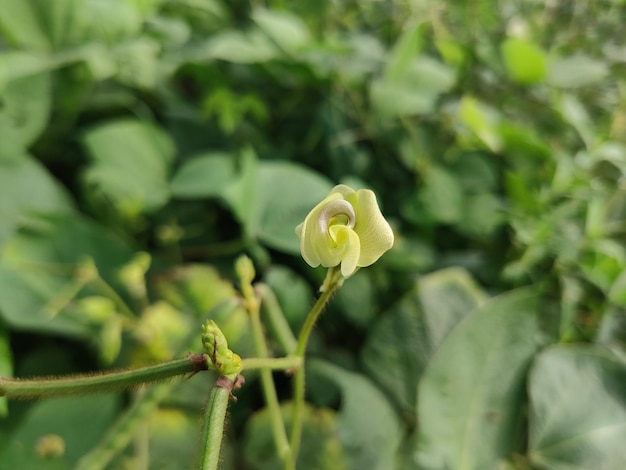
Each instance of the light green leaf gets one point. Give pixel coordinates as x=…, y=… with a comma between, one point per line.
x=577, y=409
x=293, y=293
x=405, y=50
x=26, y=188
x=402, y=342
x=576, y=71
x=525, y=61
x=470, y=401
x=369, y=429
x=240, y=47
x=414, y=91
x=441, y=195
x=38, y=270
x=131, y=161
x=482, y=120
x=24, y=113
x=20, y=25
x=287, y=30
x=272, y=197
x=78, y=421
x=205, y=175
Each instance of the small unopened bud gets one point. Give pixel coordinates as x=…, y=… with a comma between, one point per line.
x=220, y=357
x=245, y=270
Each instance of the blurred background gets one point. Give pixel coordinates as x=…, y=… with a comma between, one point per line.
x=145, y=144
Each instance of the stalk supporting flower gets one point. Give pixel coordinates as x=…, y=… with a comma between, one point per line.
x=344, y=232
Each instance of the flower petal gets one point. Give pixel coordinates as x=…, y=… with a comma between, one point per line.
x=311, y=234
x=373, y=230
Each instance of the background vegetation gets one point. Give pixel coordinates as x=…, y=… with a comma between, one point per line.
x=145, y=144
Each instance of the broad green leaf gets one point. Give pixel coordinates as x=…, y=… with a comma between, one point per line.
x=24, y=113
x=272, y=197
x=441, y=195
x=79, y=422
x=206, y=175
x=471, y=397
x=402, y=342
x=20, y=25
x=415, y=91
x=240, y=47
x=483, y=213
x=405, y=50
x=131, y=161
x=26, y=188
x=577, y=409
x=368, y=427
x=525, y=61
x=287, y=30
x=576, y=71
x=38, y=271
x=320, y=448
x=482, y=120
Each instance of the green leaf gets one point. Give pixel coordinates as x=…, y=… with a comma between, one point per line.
x=470, y=405
x=79, y=422
x=369, y=428
x=576, y=71
x=20, y=25
x=482, y=120
x=38, y=269
x=402, y=342
x=131, y=161
x=287, y=30
x=441, y=195
x=525, y=61
x=24, y=111
x=413, y=93
x=240, y=47
x=206, y=175
x=320, y=449
x=26, y=188
x=404, y=51
x=577, y=409
x=272, y=197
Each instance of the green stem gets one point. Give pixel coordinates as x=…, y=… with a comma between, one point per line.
x=101, y=382
x=213, y=424
x=332, y=282
x=276, y=318
x=267, y=384
x=281, y=363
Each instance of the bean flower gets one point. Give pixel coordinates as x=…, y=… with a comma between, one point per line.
x=347, y=229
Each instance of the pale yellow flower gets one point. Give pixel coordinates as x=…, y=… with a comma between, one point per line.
x=346, y=228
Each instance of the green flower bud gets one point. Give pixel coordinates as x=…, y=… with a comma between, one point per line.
x=347, y=229
x=220, y=357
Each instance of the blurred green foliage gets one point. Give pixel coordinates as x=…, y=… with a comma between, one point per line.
x=163, y=138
